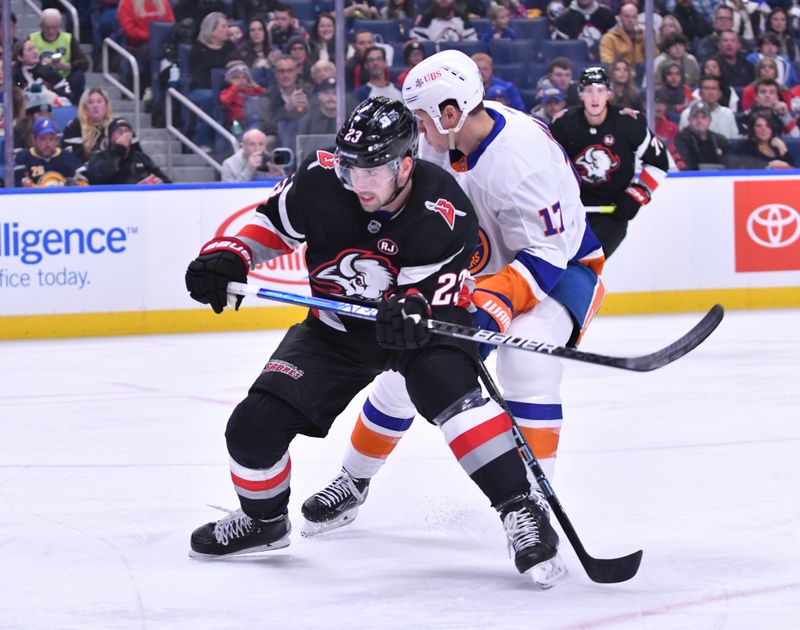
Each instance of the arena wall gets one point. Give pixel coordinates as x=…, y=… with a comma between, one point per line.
x=110, y=260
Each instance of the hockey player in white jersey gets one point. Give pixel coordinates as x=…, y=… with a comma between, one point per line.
x=537, y=268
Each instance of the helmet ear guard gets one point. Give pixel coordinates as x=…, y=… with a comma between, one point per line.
x=447, y=75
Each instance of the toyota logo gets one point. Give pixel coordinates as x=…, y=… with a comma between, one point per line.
x=774, y=225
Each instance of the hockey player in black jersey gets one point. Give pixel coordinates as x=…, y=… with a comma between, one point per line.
x=379, y=225
x=604, y=143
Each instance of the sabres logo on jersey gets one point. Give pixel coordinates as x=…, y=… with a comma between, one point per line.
x=355, y=273
x=446, y=209
x=596, y=163
x=325, y=159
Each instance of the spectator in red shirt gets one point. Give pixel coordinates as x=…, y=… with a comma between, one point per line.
x=134, y=19
x=240, y=84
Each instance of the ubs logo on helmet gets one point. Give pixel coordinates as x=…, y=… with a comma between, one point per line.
x=774, y=225
x=427, y=78
x=289, y=269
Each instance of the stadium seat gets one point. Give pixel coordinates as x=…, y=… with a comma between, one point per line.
x=536, y=71
x=159, y=31
x=536, y=29
x=389, y=30
x=793, y=144
x=529, y=98
x=468, y=48
x=62, y=116
x=573, y=49
x=514, y=51
x=302, y=9
x=481, y=25
x=517, y=73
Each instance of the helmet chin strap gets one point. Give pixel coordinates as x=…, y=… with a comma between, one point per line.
x=397, y=188
x=451, y=139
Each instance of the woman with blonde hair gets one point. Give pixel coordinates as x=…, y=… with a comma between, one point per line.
x=85, y=133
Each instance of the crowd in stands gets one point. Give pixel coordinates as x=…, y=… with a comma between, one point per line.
x=725, y=71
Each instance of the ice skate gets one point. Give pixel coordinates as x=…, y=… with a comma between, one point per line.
x=237, y=534
x=532, y=541
x=334, y=506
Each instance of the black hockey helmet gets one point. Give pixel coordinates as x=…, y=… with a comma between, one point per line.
x=378, y=131
x=594, y=75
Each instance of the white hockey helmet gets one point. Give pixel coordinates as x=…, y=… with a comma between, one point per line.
x=447, y=75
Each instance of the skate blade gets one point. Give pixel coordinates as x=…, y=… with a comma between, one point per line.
x=547, y=574
x=278, y=544
x=315, y=529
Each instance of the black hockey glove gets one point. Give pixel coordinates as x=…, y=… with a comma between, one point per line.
x=398, y=321
x=221, y=260
x=629, y=202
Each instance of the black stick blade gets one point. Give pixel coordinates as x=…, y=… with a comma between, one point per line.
x=613, y=570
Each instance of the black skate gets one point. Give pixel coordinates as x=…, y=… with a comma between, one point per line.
x=532, y=540
x=334, y=506
x=237, y=533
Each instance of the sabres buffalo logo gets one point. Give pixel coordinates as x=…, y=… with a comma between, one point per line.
x=355, y=273
x=596, y=163
x=446, y=209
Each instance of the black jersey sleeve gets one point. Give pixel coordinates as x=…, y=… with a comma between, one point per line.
x=443, y=240
x=278, y=225
x=649, y=149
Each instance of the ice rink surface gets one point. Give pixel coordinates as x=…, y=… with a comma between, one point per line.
x=112, y=450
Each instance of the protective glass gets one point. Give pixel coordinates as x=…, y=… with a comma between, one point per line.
x=367, y=179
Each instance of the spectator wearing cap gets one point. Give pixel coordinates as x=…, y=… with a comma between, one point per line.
x=413, y=53
x=664, y=128
x=240, y=85
x=498, y=93
x=673, y=48
x=378, y=83
x=297, y=48
x=696, y=144
x=249, y=163
x=44, y=164
x=499, y=19
x=486, y=68
x=552, y=102
x=321, y=117
x=723, y=120
x=124, y=161
x=63, y=49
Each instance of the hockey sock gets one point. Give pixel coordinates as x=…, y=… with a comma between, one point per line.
x=376, y=433
x=540, y=423
x=481, y=439
x=263, y=492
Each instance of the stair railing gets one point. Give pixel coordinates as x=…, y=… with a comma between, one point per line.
x=172, y=93
x=135, y=95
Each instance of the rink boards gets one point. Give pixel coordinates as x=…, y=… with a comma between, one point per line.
x=110, y=260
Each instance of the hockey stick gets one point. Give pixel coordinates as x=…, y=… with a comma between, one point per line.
x=642, y=363
x=606, y=571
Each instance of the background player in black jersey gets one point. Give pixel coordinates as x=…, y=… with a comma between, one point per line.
x=378, y=224
x=605, y=142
